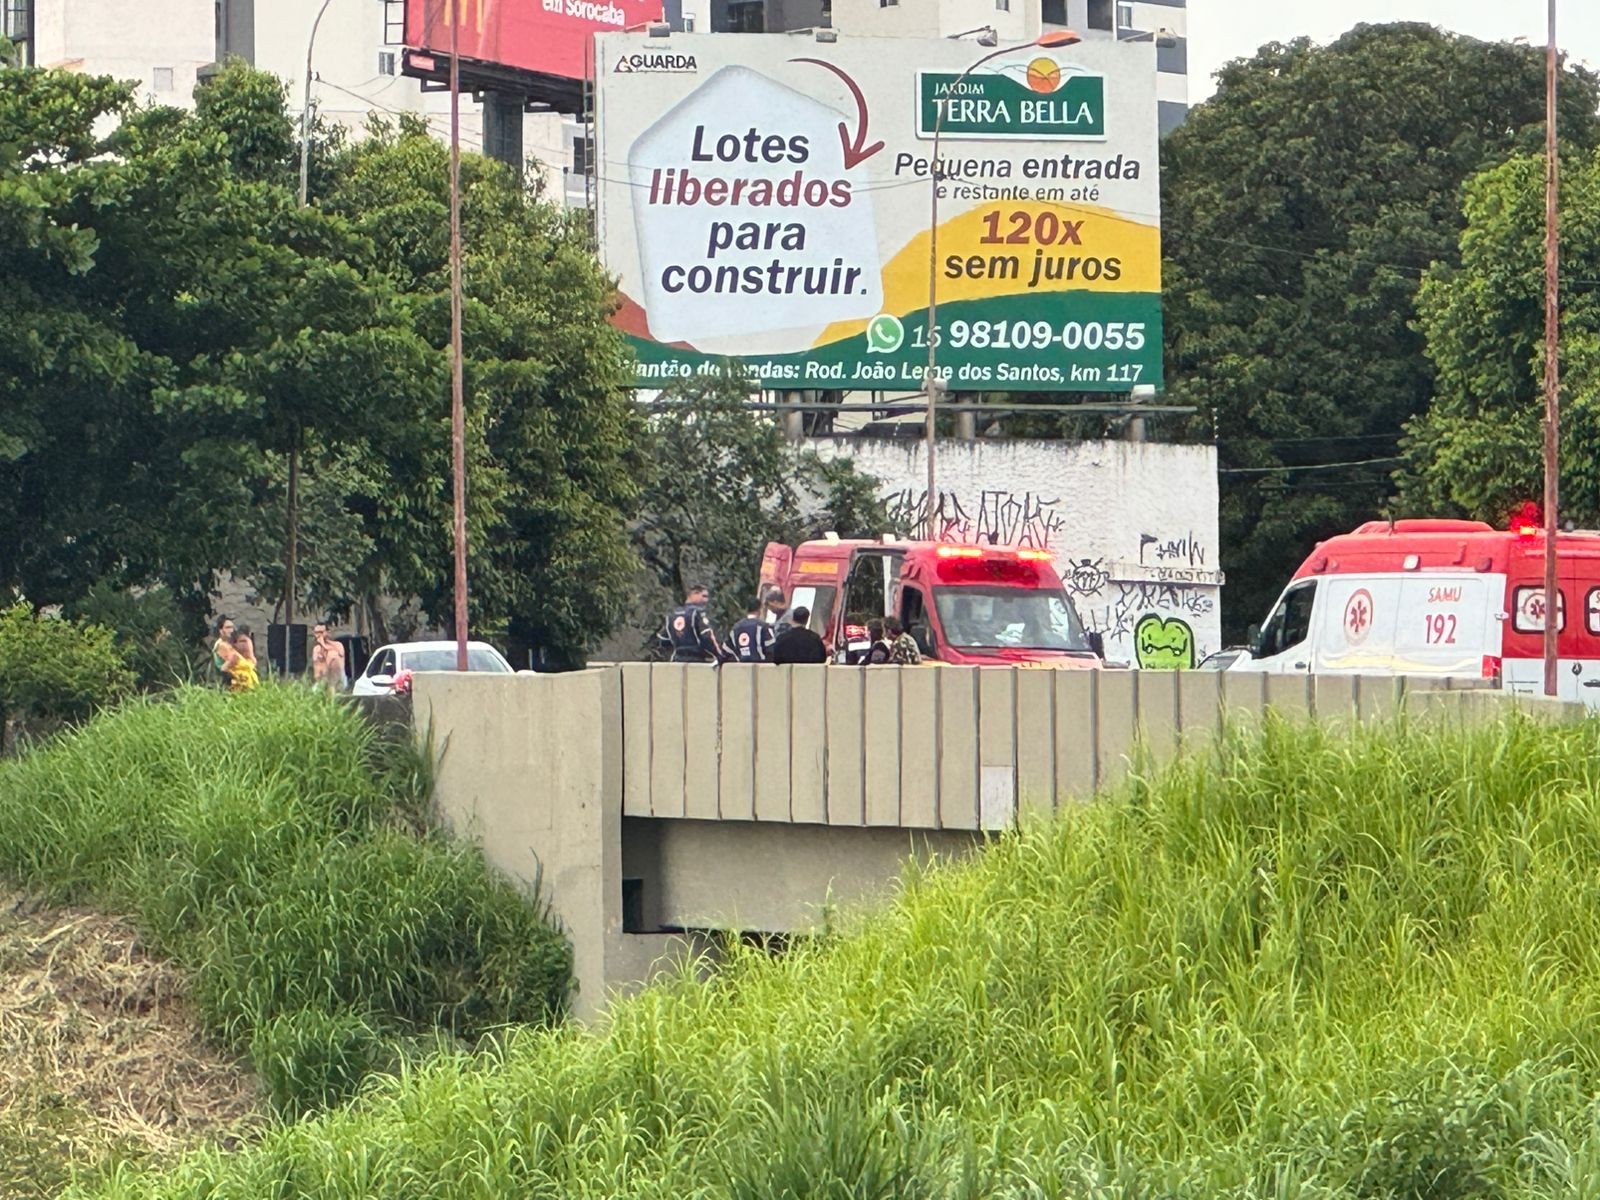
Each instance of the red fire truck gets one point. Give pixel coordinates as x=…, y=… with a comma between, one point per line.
x=970, y=605
x=1439, y=597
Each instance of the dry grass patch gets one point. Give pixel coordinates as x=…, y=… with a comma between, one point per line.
x=104, y=1059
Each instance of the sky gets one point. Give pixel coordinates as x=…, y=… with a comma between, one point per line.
x=1220, y=30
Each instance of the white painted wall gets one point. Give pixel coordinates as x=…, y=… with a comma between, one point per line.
x=1133, y=525
x=130, y=41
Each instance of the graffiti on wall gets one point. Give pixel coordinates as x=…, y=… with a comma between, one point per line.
x=1184, y=551
x=1163, y=643
x=1086, y=576
x=1002, y=518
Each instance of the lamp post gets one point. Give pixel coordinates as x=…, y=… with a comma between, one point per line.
x=931, y=384
x=305, y=110
x=1552, y=364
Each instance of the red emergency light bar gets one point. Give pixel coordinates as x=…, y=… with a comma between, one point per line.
x=948, y=551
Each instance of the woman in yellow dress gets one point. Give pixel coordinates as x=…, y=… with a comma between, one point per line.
x=243, y=670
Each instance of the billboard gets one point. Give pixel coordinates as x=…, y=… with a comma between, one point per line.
x=550, y=37
x=769, y=199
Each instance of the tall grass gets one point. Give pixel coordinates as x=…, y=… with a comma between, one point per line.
x=273, y=844
x=1303, y=964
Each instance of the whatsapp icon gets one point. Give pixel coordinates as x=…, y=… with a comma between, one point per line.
x=885, y=334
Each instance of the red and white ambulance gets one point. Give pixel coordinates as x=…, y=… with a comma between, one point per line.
x=1438, y=597
x=970, y=605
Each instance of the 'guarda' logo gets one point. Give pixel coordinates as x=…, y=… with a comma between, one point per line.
x=645, y=60
x=1038, y=100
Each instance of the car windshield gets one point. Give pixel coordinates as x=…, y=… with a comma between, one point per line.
x=478, y=659
x=1009, y=618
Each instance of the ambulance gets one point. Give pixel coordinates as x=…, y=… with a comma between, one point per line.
x=967, y=605
x=1438, y=597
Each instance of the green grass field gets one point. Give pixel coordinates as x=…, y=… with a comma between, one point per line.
x=269, y=844
x=1302, y=964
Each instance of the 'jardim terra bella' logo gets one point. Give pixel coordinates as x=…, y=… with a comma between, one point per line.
x=1040, y=100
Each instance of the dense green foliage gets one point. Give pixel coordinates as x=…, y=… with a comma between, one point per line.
x=721, y=482
x=55, y=668
x=1304, y=963
x=1476, y=450
x=173, y=325
x=1301, y=205
x=270, y=843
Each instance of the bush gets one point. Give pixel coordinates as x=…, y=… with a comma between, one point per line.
x=266, y=840
x=1304, y=964
x=150, y=629
x=56, y=669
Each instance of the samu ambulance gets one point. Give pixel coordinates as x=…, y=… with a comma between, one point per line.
x=967, y=605
x=1438, y=597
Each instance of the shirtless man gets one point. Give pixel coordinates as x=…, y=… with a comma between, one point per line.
x=327, y=659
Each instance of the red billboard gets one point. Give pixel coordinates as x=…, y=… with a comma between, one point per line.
x=551, y=37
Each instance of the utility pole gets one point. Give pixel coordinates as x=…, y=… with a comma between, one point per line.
x=458, y=419
x=1552, y=366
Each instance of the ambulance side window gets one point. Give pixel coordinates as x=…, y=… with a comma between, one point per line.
x=1290, y=623
x=1591, y=611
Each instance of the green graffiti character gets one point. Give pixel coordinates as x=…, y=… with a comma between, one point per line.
x=1163, y=643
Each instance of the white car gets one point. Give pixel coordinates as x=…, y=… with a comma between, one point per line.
x=389, y=661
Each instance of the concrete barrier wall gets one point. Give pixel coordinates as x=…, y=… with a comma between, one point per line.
x=651, y=802
x=927, y=747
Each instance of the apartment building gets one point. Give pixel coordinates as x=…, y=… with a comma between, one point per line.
x=1161, y=21
x=163, y=46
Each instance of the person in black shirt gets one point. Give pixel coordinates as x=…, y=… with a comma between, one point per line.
x=751, y=640
x=797, y=644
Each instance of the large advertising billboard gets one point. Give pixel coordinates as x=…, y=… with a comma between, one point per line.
x=769, y=199
x=550, y=37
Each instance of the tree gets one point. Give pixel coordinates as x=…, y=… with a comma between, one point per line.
x=723, y=481
x=1477, y=450
x=1301, y=206
x=174, y=327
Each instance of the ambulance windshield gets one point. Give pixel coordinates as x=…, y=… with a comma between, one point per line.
x=1009, y=618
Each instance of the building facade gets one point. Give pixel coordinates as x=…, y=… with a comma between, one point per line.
x=1161, y=21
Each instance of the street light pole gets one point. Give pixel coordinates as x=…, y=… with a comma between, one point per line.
x=305, y=110
x=930, y=383
x=1552, y=365
x=458, y=420
x=292, y=555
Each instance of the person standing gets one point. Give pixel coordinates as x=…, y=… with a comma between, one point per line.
x=798, y=644
x=223, y=654
x=773, y=613
x=243, y=672
x=687, y=634
x=327, y=659
x=752, y=638
x=903, y=648
x=878, y=644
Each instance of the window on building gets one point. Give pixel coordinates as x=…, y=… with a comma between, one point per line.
x=386, y=62
x=1002, y=5
x=747, y=16
x=1100, y=14
x=888, y=3
x=688, y=22
x=394, y=22
x=1124, y=15
x=161, y=79
x=582, y=154
x=16, y=24
x=1053, y=12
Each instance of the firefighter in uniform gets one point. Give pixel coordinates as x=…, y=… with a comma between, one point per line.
x=688, y=634
x=751, y=638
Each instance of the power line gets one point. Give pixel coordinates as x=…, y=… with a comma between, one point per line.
x=1358, y=462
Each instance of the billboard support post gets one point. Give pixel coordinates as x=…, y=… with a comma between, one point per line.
x=458, y=420
x=1552, y=362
